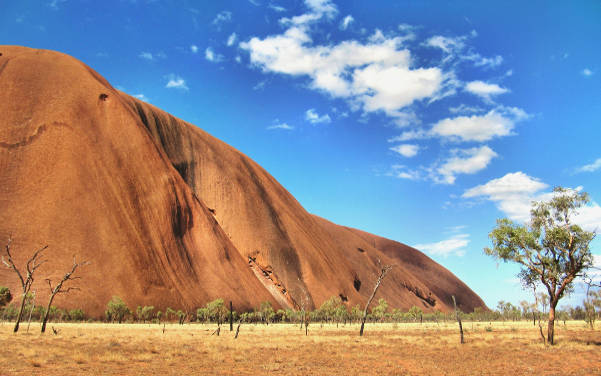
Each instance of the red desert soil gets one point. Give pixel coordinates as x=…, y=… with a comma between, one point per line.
x=167, y=214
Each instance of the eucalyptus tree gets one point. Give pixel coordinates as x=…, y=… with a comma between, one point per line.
x=551, y=249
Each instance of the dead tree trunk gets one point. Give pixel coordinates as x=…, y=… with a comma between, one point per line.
x=237, y=329
x=458, y=318
x=383, y=270
x=31, y=311
x=59, y=289
x=231, y=316
x=33, y=263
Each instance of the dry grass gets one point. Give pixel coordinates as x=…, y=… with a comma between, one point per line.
x=395, y=349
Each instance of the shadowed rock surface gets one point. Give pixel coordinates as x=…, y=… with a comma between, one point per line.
x=167, y=214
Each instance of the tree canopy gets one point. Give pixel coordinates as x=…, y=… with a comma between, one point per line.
x=551, y=248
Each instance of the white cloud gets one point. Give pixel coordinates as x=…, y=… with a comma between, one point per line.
x=222, y=17
x=464, y=161
x=317, y=10
x=377, y=76
x=146, y=56
x=277, y=8
x=587, y=72
x=176, y=82
x=260, y=85
x=590, y=167
x=453, y=245
x=484, y=89
x=346, y=21
x=313, y=117
x=514, y=193
x=464, y=109
x=141, y=97
x=279, y=125
x=231, y=39
x=474, y=128
x=238, y=59
x=455, y=48
x=406, y=150
x=213, y=57
x=448, y=45
x=480, y=128
x=486, y=62
x=414, y=134
x=401, y=172
x=194, y=48
x=254, y=2
x=55, y=3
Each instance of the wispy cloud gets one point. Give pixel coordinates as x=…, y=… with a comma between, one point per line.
x=454, y=245
x=445, y=171
x=277, y=8
x=280, y=125
x=346, y=21
x=591, y=167
x=176, y=82
x=514, y=193
x=151, y=57
x=587, y=72
x=194, y=48
x=485, y=90
x=463, y=161
x=54, y=4
x=406, y=150
x=480, y=128
x=212, y=56
x=222, y=17
x=231, y=39
x=141, y=97
x=314, y=118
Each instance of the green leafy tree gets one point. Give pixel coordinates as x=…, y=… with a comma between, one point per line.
x=217, y=310
x=328, y=308
x=76, y=315
x=5, y=296
x=146, y=313
x=267, y=312
x=356, y=313
x=202, y=314
x=551, y=249
x=117, y=310
x=592, y=304
x=415, y=313
x=380, y=310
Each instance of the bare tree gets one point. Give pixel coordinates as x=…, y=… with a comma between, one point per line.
x=59, y=288
x=32, y=265
x=384, y=269
x=458, y=318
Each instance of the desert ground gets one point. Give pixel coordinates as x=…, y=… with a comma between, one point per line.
x=385, y=349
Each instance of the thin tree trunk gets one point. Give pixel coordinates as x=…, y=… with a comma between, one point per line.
x=551, y=325
x=383, y=272
x=47, y=313
x=231, y=317
x=20, y=315
x=238, y=329
x=458, y=319
x=30, y=312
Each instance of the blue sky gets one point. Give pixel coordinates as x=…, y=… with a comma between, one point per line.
x=416, y=120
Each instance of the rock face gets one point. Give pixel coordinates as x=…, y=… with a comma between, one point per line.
x=167, y=214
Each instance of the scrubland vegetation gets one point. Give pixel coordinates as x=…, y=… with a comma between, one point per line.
x=496, y=348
